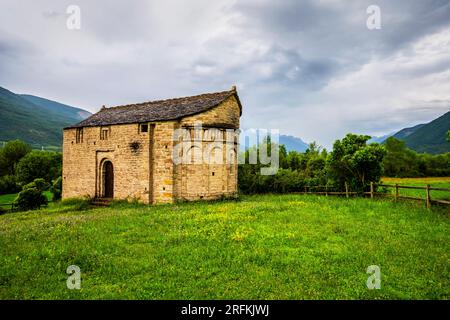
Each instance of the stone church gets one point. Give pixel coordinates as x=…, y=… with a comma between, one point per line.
x=157, y=151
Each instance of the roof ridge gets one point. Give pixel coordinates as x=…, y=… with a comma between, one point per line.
x=232, y=91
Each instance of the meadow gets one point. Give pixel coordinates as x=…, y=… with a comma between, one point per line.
x=257, y=247
x=436, y=182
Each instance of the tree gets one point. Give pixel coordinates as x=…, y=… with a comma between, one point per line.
x=56, y=189
x=39, y=164
x=399, y=160
x=448, y=135
x=4, y=168
x=354, y=162
x=8, y=184
x=11, y=154
x=31, y=196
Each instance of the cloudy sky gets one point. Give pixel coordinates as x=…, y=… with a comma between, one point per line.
x=308, y=68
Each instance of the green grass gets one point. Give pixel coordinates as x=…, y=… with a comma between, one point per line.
x=437, y=182
x=7, y=198
x=263, y=247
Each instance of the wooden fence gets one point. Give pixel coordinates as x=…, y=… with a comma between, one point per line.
x=11, y=205
x=374, y=192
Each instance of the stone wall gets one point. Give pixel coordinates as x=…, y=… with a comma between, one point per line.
x=163, y=166
x=125, y=147
x=227, y=113
x=211, y=180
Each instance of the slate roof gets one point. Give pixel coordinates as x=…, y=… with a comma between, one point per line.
x=161, y=110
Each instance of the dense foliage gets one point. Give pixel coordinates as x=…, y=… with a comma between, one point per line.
x=56, y=189
x=352, y=161
x=39, y=164
x=10, y=156
x=31, y=196
x=296, y=170
x=355, y=163
x=19, y=165
x=403, y=162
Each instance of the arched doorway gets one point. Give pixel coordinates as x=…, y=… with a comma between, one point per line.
x=108, y=179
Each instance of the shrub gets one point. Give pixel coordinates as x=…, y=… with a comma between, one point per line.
x=56, y=189
x=31, y=196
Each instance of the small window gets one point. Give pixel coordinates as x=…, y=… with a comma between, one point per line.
x=144, y=128
x=104, y=133
x=79, y=135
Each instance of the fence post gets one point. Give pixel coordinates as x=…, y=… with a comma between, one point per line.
x=346, y=189
x=371, y=190
x=305, y=189
x=326, y=190
x=428, y=198
x=396, y=191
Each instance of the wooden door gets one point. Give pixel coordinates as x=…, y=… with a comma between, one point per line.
x=108, y=180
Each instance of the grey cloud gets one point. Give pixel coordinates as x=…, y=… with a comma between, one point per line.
x=412, y=20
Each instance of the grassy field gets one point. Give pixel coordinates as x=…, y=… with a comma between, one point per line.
x=262, y=247
x=437, y=182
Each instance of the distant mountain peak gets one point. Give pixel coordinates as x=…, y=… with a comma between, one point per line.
x=291, y=142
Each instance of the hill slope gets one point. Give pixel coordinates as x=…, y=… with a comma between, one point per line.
x=35, y=120
x=62, y=109
x=430, y=137
x=402, y=134
x=425, y=137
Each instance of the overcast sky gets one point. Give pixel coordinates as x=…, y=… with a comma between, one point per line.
x=308, y=68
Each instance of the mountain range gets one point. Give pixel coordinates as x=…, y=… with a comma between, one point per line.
x=39, y=122
x=290, y=142
x=425, y=137
x=35, y=120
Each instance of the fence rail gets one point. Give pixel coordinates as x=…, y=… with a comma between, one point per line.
x=7, y=205
x=374, y=193
x=13, y=206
